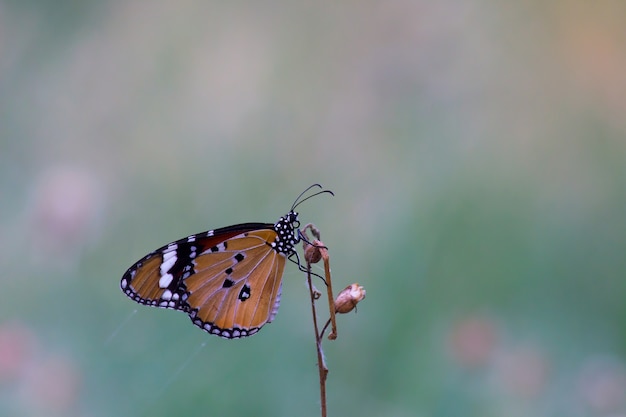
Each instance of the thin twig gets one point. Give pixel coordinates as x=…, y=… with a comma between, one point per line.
x=331, y=297
x=324, y=329
x=323, y=370
x=314, y=252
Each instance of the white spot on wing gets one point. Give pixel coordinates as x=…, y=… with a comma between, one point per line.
x=165, y=280
x=169, y=259
x=169, y=254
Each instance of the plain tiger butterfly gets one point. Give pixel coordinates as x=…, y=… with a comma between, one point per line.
x=227, y=280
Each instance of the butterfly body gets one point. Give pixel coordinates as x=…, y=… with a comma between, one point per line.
x=227, y=280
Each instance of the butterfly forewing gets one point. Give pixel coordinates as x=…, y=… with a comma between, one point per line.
x=228, y=280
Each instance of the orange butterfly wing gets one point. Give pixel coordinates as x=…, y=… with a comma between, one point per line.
x=236, y=290
x=228, y=280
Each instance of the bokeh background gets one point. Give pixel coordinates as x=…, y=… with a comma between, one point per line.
x=478, y=155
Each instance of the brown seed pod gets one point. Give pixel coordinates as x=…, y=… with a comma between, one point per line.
x=347, y=299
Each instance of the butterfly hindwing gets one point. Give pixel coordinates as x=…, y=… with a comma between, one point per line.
x=236, y=290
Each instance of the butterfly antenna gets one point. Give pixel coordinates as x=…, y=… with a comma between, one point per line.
x=299, y=201
x=295, y=203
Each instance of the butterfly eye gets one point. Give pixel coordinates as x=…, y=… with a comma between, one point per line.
x=292, y=219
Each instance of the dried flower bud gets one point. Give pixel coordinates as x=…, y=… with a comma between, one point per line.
x=312, y=253
x=347, y=299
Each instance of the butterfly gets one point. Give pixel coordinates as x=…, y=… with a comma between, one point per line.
x=228, y=280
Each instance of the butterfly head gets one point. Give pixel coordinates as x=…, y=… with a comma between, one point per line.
x=288, y=234
x=287, y=226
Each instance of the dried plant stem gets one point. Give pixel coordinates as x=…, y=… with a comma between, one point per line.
x=321, y=363
x=314, y=252
x=324, y=329
x=331, y=297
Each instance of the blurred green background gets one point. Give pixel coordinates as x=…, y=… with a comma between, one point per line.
x=478, y=155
